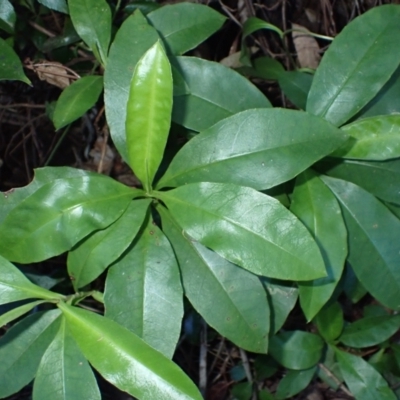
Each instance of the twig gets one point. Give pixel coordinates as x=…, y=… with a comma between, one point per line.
x=335, y=379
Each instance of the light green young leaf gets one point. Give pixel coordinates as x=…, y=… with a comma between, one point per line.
x=148, y=114
x=76, y=99
x=294, y=382
x=349, y=76
x=22, y=348
x=363, y=380
x=15, y=286
x=10, y=64
x=382, y=179
x=256, y=148
x=57, y=5
x=296, y=349
x=183, y=26
x=247, y=228
x=374, y=248
x=111, y=348
x=92, y=21
x=7, y=16
x=330, y=321
x=93, y=255
x=242, y=314
x=211, y=97
x=315, y=205
x=374, y=138
x=60, y=214
x=370, y=331
x=132, y=40
x=64, y=373
x=144, y=292
x=17, y=312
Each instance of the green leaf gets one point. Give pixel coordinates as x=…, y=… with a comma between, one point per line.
x=211, y=96
x=374, y=249
x=349, y=76
x=267, y=68
x=57, y=5
x=18, y=312
x=247, y=228
x=144, y=292
x=315, y=205
x=364, y=382
x=92, y=21
x=256, y=148
x=387, y=101
x=7, y=16
x=296, y=85
x=294, y=382
x=379, y=178
x=282, y=297
x=10, y=199
x=148, y=116
x=353, y=288
x=374, y=138
x=184, y=26
x=296, y=349
x=76, y=99
x=132, y=40
x=64, y=373
x=93, y=255
x=330, y=321
x=22, y=347
x=370, y=331
x=60, y=214
x=10, y=64
x=242, y=314
x=110, y=348
x=242, y=391
x=15, y=286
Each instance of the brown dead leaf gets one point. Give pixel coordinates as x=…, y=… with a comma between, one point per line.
x=306, y=47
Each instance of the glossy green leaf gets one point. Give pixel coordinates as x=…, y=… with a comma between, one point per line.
x=353, y=288
x=364, y=382
x=148, y=117
x=15, y=286
x=93, y=255
x=282, y=297
x=10, y=64
x=379, y=178
x=349, y=76
x=76, y=99
x=22, y=347
x=18, y=312
x=296, y=349
x=57, y=5
x=387, y=101
x=60, y=214
x=144, y=291
x=374, y=138
x=256, y=148
x=247, y=228
x=374, y=248
x=211, y=95
x=183, y=26
x=7, y=16
x=127, y=361
x=296, y=86
x=64, y=373
x=10, y=199
x=242, y=314
x=267, y=68
x=92, y=21
x=132, y=40
x=294, y=382
x=315, y=205
x=330, y=321
x=370, y=331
